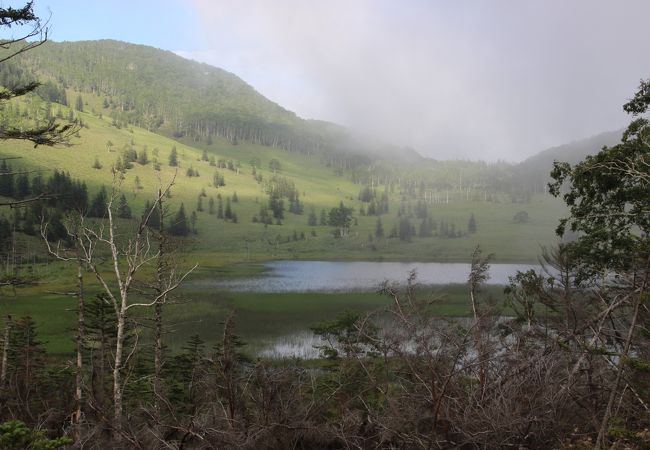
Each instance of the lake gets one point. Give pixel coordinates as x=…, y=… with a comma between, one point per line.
x=339, y=276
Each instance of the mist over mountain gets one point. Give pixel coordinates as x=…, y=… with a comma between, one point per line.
x=163, y=92
x=535, y=170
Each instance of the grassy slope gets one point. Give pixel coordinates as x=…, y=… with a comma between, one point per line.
x=220, y=244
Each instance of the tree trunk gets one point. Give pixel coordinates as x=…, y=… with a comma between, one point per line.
x=80, y=338
x=5, y=352
x=117, y=377
x=157, y=381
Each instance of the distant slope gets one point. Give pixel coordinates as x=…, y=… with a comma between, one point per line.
x=536, y=169
x=163, y=92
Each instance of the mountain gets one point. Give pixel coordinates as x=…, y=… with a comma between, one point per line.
x=535, y=170
x=165, y=93
x=138, y=105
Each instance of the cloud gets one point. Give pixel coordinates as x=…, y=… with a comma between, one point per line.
x=467, y=79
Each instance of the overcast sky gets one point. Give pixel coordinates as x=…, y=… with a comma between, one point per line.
x=498, y=79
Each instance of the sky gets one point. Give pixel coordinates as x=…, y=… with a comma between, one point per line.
x=462, y=79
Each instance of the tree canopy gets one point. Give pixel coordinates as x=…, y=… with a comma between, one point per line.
x=608, y=195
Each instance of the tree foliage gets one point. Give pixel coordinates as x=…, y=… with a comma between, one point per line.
x=52, y=132
x=608, y=195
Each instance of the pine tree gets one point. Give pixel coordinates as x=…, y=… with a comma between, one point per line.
x=228, y=212
x=6, y=180
x=204, y=156
x=199, y=204
x=173, y=157
x=97, y=165
x=178, y=225
x=22, y=186
x=211, y=206
x=123, y=209
x=220, y=208
x=471, y=225
x=99, y=203
x=26, y=360
x=79, y=104
x=312, y=220
x=379, y=229
x=154, y=217
x=143, y=159
x=193, y=219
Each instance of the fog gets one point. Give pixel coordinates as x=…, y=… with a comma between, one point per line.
x=464, y=79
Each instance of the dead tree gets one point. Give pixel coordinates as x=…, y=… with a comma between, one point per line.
x=127, y=255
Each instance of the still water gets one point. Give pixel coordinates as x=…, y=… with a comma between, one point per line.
x=338, y=276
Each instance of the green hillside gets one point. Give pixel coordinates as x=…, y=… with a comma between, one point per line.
x=133, y=100
x=319, y=187
x=160, y=91
x=282, y=201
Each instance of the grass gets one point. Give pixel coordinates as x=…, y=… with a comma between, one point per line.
x=260, y=318
x=224, y=249
x=221, y=243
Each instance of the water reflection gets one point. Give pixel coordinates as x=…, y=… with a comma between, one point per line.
x=338, y=276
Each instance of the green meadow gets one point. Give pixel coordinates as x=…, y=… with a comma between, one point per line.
x=226, y=249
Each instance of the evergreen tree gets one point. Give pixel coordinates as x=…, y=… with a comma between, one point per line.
x=30, y=220
x=37, y=184
x=405, y=229
x=211, y=206
x=471, y=225
x=199, y=204
x=219, y=208
x=26, y=361
x=426, y=228
x=323, y=217
x=123, y=209
x=379, y=229
x=218, y=180
x=312, y=220
x=6, y=180
x=154, y=217
x=99, y=339
x=22, y=186
x=143, y=159
x=228, y=212
x=79, y=103
x=193, y=219
x=276, y=205
x=99, y=203
x=235, y=199
x=97, y=164
x=275, y=166
x=204, y=156
x=179, y=225
x=173, y=157
x=118, y=167
x=129, y=156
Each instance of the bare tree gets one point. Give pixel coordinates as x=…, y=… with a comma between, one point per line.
x=127, y=255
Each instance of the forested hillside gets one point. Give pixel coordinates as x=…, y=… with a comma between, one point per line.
x=163, y=92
